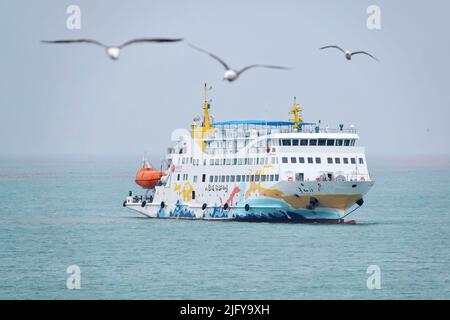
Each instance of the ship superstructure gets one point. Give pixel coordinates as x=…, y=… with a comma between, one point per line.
x=259, y=170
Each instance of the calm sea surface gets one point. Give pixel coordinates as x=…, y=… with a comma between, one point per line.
x=60, y=212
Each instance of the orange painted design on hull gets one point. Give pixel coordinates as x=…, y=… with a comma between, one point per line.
x=338, y=201
x=147, y=178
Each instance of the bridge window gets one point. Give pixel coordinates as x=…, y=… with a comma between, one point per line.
x=322, y=142
x=330, y=142
x=339, y=142
x=301, y=160
x=295, y=142
x=313, y=142
x=304, y=142
x=346, y=142
x=286, y=142
x=330, y=160
x=353, y=142
x=293, y=160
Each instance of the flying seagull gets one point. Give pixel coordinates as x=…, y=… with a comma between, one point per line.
x=114, y=51
x=232, y=74
x=349, y=54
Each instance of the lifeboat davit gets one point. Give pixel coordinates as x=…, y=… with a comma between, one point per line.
x=147, y=177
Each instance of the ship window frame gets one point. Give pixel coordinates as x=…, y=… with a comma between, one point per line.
x=216, y=179
x=284, y=159
x=301, y=160
x=263, y=178
x=321, y=142
x=330, y=142
x=346, y=142
x=303, y=142
x=295, y=142
x=330, y=160
x=310, y=160
x=286, y=142
x=178, y=177
x=211, y=179
x=345, y=160
x=337, y=160
x=339, y=142
x=311, y=143
x=353, y=160
x=361, y=160
x=293, y=159
x=277, y=177
x=257, y=178
x=195, y=179
x=318, y=160
x=272, y=177
x=227, y=179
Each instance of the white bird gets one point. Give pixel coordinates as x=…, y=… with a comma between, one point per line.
x=114, y=51
x=232, y=74
x=349, y=54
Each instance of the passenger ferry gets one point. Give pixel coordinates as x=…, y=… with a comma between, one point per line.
x=256, y=170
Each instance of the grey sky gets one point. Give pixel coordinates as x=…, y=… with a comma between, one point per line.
x=72, y=99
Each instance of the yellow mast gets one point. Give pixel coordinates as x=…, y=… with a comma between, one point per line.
x=200, y=130
x=206, y=118
x=296, y=111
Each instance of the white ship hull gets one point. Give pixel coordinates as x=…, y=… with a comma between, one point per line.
x=324, y=201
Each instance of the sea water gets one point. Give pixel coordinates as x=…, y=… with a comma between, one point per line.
x=61, y=212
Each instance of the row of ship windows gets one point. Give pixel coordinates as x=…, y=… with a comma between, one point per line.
x=272, y=160
x=234, y=161
x=318, y=160
x=233, y=178
x=317, y=142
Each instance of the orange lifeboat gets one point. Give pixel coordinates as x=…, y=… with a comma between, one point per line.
x=147, y=177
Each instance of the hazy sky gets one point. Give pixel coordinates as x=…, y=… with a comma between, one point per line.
x=72, y=99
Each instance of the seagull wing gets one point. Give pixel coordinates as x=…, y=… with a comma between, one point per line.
x=336, y=47
x=76, y=41
x=366, y=53
x=142, y=40
x=263, y=66
x=211, y=55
